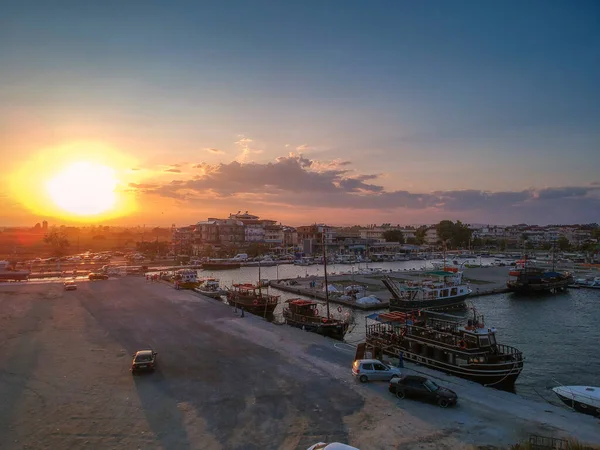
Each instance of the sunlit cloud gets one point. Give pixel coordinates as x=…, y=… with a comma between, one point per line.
x=244, y=144
x=173, y=170
x=295, y=181
x=215, y=151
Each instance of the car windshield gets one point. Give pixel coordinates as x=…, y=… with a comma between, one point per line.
x=431, y=385
x=143, y=358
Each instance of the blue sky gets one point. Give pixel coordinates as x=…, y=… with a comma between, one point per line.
x=429, y=96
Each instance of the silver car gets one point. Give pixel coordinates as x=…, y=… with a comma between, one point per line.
x=373, y=369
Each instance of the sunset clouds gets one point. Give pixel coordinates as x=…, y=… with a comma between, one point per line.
x=296, y=181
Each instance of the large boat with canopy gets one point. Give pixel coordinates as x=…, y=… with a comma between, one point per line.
x=467, y=350
x=525, y=277
x=437, y=290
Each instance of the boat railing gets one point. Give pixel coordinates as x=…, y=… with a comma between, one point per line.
x=388, y=333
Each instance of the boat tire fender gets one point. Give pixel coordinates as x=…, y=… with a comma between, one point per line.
x=316, y=312
x=255, y=302
x=462, y=345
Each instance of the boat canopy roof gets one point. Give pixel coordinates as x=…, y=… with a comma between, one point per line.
x=440, y=273
x=300, y=302
x=389, y=317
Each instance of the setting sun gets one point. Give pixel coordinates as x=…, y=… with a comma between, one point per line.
x=84, y=189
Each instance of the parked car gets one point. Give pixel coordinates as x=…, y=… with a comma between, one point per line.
x=70, y=286
x=422, y=388
x=143, y=360
x=373, y=369
x=331, y=446
x=97, y=276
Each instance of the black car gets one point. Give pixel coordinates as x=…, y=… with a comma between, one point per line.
x=97, y=276
x=143, y=360
x=412, y=386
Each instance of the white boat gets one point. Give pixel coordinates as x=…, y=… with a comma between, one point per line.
x=211, y=288
x=7, y=274
x=585, y=399
x=441, y=290
x=592, y=283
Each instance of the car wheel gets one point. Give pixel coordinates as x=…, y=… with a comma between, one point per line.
x=443, y=403
x=363, y=379
x=400, y=394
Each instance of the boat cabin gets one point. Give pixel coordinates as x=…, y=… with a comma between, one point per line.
x=186, y=276
x=303, y=307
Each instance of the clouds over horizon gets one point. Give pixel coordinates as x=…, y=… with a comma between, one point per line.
x=295, y=181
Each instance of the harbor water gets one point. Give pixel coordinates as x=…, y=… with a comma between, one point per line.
x=557, y=333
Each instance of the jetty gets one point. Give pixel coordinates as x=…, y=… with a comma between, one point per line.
x=481, y=280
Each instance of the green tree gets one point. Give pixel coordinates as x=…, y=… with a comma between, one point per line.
x=454, y=234
x=563, y=244
x=58, y=242
x=411, y=240
x=393, y=236
x=420, y=234
x=502, y=244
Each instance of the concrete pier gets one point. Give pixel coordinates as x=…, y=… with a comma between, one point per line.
x=482, y=281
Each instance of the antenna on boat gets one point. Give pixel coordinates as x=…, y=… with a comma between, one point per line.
x=325, y=270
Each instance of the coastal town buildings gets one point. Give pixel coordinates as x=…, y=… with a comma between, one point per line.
x=241, y=230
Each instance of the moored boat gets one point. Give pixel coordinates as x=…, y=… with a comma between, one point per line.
x=585, y=399
x=7, y=274
x=440, y=290
x=465, y=350
x=221, y=265
x=305, y=314
x=252, y=299
x=210, y=287
x=185, y=279
x=526, y=278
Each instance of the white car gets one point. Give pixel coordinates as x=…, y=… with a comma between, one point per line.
x=331, y=446
x=373, y=369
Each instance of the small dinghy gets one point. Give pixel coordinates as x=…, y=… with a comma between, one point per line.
x=585, y=399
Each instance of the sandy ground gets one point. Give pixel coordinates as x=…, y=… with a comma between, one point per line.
x=224, y=382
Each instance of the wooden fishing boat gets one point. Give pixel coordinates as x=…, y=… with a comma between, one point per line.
x=305, y=314
x=465, y=350
x=526, y=278
x=252, y=299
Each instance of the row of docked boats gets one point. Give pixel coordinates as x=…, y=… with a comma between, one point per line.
x=414, y=331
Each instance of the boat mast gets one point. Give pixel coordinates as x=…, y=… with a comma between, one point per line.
x=259, y=290
x=325, y=270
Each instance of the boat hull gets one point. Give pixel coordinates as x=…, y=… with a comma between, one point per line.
x=254, y=307
x=221, y=266
x=334, y=331
x=457, y=302
x=579, y=406
x=14, y=276
x=212, y=294
x=499, y=376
